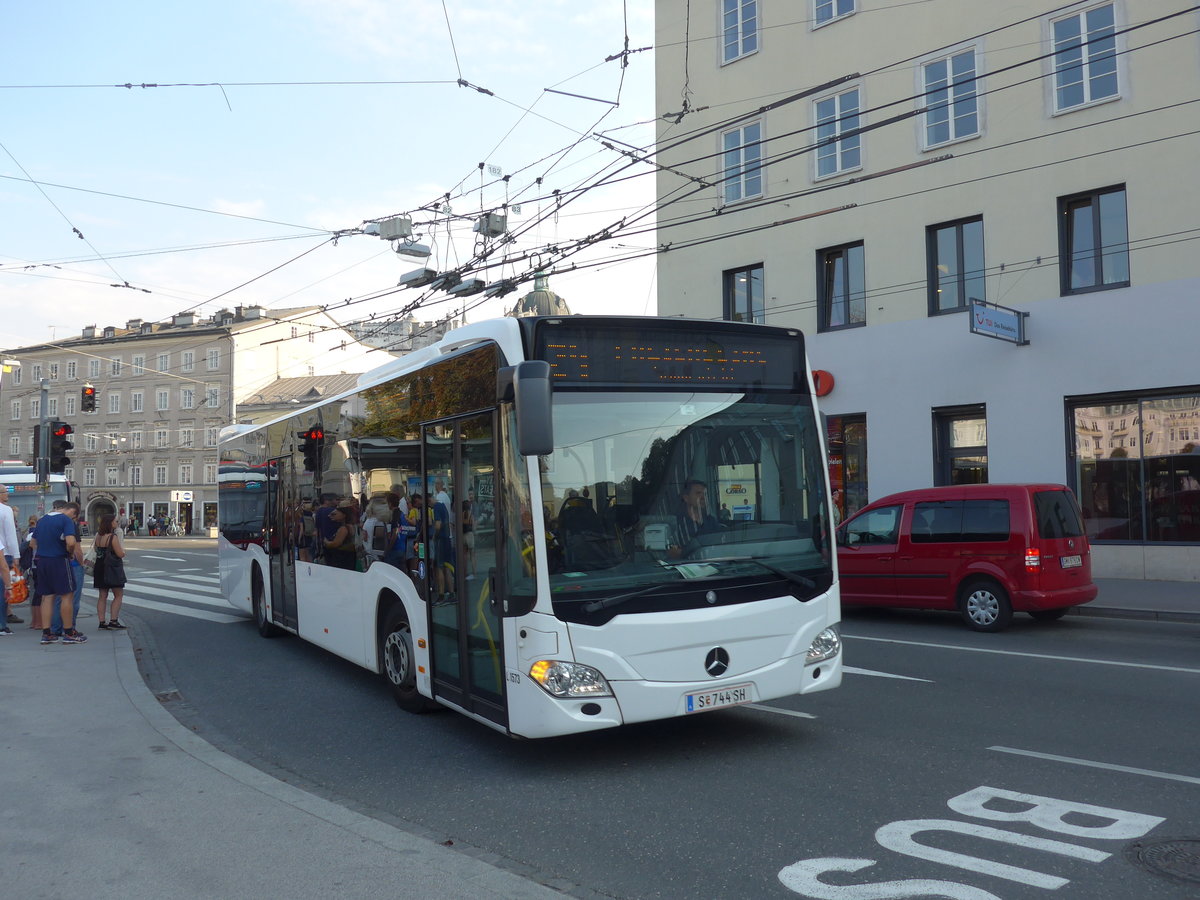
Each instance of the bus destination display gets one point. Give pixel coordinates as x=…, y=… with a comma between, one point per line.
x=671, y=357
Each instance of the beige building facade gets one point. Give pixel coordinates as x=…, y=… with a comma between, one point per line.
x=163, y=392
x=981, y=216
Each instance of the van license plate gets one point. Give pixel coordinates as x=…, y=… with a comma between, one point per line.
x=1071, y=562
x=703, y=701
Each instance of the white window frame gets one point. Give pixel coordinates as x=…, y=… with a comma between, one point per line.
x=112, y=476
x=839, y=147
x=1052, y=73
x=162, y=399
x=54, y=371
x=187, y=361
x=114, y=403
x=973, y=90
x=187, y=437
x=212, y=396
x=210, y=473
x=185, y=473
x=162, y=437
x=14, y=445
x=91, y=442
x=93, y=368
x=212, y=435
x=15, y=410
x=139, y=365
x=837, y=11
x=187, y=398
x=114, y=366
x=72, y=368
x=137, y=401
x=212, y=359
x=89, y=476
x=52, y=407
x=35, y=407
x=744, y=29
x=739, y=166
x=37, y=371
x=135, y=440
x=160, y=474
x=164, y=362
x=135, y=475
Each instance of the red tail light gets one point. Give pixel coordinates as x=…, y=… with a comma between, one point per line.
x=1033, y=559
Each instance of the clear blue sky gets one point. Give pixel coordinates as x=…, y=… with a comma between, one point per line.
x=305, y=157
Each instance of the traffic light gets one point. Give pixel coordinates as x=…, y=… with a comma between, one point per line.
x=60, y=445
x=87, y=401
x=312, y=443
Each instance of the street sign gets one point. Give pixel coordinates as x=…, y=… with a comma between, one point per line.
x=181, y=496
x=998, y=322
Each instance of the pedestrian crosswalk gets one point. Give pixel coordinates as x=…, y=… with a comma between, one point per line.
x=180, y=592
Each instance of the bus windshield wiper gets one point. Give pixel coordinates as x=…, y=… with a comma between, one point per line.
x=793, y=577
x=618, y=599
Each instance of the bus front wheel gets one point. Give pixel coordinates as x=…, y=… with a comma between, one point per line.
x=265, y=626
x=400, y=664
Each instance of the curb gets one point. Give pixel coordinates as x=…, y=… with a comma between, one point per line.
x=1145, y=615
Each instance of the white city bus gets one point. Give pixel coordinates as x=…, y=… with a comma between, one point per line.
x=587, y=593
x=29, y=497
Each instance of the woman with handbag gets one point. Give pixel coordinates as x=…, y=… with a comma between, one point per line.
x=109, y=574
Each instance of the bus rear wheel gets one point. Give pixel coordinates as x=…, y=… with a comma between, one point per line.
x=400, y=664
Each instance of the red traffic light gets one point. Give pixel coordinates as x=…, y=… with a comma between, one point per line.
x=315, y=434
x=62, y=429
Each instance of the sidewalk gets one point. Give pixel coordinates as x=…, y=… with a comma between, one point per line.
x=1160, y=601
x=106, y=795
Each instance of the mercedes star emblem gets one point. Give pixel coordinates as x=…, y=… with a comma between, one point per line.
x=716, y=662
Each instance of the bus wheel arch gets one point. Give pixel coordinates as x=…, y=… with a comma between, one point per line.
x=266, y=628
x=398, y=658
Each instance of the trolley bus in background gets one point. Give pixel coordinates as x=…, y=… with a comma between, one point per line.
x=586, y=593
x=26, y=494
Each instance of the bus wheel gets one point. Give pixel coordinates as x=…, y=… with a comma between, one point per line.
x=400, y=663
x=266, y=628
x=984, y=605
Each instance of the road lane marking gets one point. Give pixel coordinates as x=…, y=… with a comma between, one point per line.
x=182, y=611
x=1097, y=765
x=1095, y=662
x=167, y=558
x=853, y=670
x=783, y=712
x=216, y=602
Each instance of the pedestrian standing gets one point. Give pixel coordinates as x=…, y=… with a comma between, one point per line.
x=77, y=574
x=107, y=577
x=151, y=526
x=54, y=543
x=12, y=550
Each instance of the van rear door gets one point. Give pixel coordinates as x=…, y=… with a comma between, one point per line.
x=1066, y=559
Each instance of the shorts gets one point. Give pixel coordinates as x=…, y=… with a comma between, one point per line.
x=469, y=540
x=54, y=576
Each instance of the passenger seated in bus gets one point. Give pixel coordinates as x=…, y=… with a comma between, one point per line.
x=693, y=518
x=341, y=550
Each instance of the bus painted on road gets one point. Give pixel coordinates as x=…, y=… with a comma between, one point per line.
x=552, y=525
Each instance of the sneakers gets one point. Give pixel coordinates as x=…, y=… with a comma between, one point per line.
x=71, y=637
x=103, y=625
x=49, y=637
x=5, y=630
x=15, y=619
x=115, y=625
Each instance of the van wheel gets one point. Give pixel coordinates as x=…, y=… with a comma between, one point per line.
x=400, y=663
x=266, y=627
x=984, y=605
x=1049, y=615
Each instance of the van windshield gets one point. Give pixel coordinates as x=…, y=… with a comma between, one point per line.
x=1057, y=515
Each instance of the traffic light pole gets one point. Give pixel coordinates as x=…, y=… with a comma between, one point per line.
x=42, y=463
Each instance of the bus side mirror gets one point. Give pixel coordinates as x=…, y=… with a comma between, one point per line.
x=531, y=394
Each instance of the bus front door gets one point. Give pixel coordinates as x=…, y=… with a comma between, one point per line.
x=283, y=518
x=466, y=640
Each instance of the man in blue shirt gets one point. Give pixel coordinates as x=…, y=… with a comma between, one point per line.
x=54, y=546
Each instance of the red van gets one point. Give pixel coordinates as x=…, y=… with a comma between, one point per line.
x=986, y=550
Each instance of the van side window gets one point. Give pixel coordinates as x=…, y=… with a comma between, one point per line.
x=937, y=522
x=1057, y=515
x=879, y=526
x=985, y=520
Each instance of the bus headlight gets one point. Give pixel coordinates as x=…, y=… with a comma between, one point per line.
x=825, y=645
x=565, y=680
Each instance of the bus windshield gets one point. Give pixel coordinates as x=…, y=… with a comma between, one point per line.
x=657, y=501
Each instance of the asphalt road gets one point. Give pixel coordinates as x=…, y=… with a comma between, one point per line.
x=1058, y=757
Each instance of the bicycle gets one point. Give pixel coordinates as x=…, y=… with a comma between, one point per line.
x=174, y=530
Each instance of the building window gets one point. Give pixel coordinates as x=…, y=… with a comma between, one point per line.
x=743, y=292
x=15, y=410
x=1093, y=237
x=163, y=400
x=70, y=405
x=111, y=476
x=139, y=365
x=136, y=402
x=187, y=437
x=211, y=435
x=741, y=159
x=1142, y=483
x=164, y=362
x=160, y=438
x=828, y=10
x=160, y=474
x=135, y=475
x=114, y=366
x=210, y=473
x=14, y=446
x=955, y=264
x=739, y=25
x=213, y=360
x=187, y=398
x=72, y=368
x=1085, y=57
x=135, y=440
x=960, y=453
x=89, y=476
x=52, y=407
x=841, y=287
x=54, y=371
x=17, y=375
x=91, y=442
x=212, y=394
x=187, y=361
x=35, y=408
x=847, y=440
x=114, y=403
x=839, y=147
x=951, y=98
x=37, y=371
x=185, y=473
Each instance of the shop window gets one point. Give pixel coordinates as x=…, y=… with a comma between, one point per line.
x=1146, y=487
x=847, y=442
x=960, y=445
